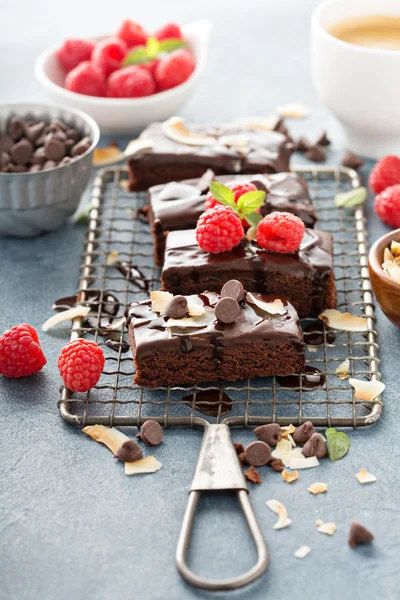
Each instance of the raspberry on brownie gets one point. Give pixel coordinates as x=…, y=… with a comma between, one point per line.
x=259, y=336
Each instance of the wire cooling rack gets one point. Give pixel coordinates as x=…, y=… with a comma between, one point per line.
x=117, y=224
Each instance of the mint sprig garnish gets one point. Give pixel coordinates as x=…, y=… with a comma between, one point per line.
x=246, y=206
x=338, y=443
x=153, y=48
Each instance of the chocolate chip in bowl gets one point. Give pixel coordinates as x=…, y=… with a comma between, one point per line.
x=45, y=166
x=384, y=283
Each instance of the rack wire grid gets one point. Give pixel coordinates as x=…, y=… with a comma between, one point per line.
x=117, y=224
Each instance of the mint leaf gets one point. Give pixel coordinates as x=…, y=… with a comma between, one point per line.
x=82, y=216
x=251, y=201
x=252, y=218
x=223, y=194
x=152, y=47
x=139, y=56
x=172, y=44
x=338, y=443
x=353, y=198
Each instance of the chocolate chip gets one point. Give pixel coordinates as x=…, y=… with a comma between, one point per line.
x=227, y=310
x=21, y=152
x=69, y=144
x=129, y=451
x=177, y=308
x=16, y=128
x=352, y=161
x=35, y=168
x=316, y=446
x=39, y=156
x=302, y=434
x=54, y=149
x=151, y=433
x=40, y=140
x=257, y=454
x=303, y=145
x=270, y=434
x=81, y=147
x=56, y=123
x=276, y=464
x=4, y=159
x=12, y=168
x=33, y=132
x=72, y=134
x=233, y=289
x=322, y=139
x=316, y=154
x=65, y=161
x=359, y=535
x=49, y=164
x=6, y=143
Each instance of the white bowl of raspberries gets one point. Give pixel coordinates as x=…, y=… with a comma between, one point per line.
x=130, y=79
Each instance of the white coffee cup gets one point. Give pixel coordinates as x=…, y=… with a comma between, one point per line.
x=361, y=86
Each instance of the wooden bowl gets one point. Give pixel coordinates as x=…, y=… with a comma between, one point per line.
x=386, y=290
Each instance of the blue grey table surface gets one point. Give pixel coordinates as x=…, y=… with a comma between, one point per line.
x=72, y=525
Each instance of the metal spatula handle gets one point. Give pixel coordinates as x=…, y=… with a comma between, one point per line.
x=218, y=468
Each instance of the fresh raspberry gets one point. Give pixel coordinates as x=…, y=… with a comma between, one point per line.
x=109, y=54
x=387, y=205
x=86, y=79
x=280, y=232
x=219, y=230
x=20, y=352
x=170, y=30
x=238, y=190
x=73, y=52
x=132, y=34
x=131, y=82
x=80, y=364
x=174, y=69
x=386, y=172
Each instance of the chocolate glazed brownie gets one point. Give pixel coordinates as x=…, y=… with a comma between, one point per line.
x=224, y=149
x=226, y=340
x=177, y=206
x=305, y=277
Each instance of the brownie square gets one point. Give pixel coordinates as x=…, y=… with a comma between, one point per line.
x=305, y=277
x=234, y=149
x=255, y=344
x=172, y=207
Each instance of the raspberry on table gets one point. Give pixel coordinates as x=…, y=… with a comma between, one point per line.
x=81, y=363
x=387, y=205
x=20, y=352
x=109, y=54
x=86, y=79
x=168, y=31
x=132, y=34
x=280, y=232
x=73, y=52
x=175, y=68
x=238, y=190
x=131, y=82
x=218, y=230
x=385, y=173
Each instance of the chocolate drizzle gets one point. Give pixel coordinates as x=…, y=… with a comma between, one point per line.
x=210, y=402
x=314, y=334
x=311, y=379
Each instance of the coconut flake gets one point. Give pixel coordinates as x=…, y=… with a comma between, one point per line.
x=343, y=321
x=149, y=464
x=107, y=155
x=301, y=462
x=66, y=315
x=289, y=477
x=293, y=110
x=286, y=431
x=266, y=123
x=367, y=390
x=319, y=522
x=387, y=255
x=160, y=301
x=302, y=552
x=278, y=508
x=175, y=190
x=116, y=324
x=395, y=248
x=318, y=488
x=327, y=528
x=272, y=308
x=342, y=370
x=312, y=348
x=196, y=309
x=138, y=145
x=175, y=130
x=109, y=436
x=285, y=452
x=364, y=477
x=112, y=258
x=188, y=322
x=235, y=140
x=251, y=234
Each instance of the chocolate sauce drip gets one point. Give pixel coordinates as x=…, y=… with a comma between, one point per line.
x=134, y=274
x=311, y=379
x=314, y=334
x=117, y=346
x=210, y=402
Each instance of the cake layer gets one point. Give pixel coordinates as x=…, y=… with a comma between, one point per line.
x=257, y=343
x=229, y=149
x=172, y=207
x=305, y=277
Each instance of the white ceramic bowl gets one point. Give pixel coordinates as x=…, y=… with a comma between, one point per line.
x=359, y=85
x=120, y=115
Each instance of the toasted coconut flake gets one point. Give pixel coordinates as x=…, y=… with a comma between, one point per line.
x=395, y=273
x=267, y=123
x=319, y=522
x=109, y=436
x=318, y=488
x=278, y=508
x=364, y=477
x=327, y=528
x=66, y=315
x=174, y=129
x=367, y=390
x=176, y=190
x=387, y=255
x=302, y=552
x=342, y=370
x=286, y=431
x=343, y=321
x=235, y=140
x=116, y=324
x=251, y=234
x=395, y=248
x=103, y=156
x=112, y=258
x=289, y=477
x=272, y=308
x=293, y=110
x=124, y=185
x=312, y=348
x=149, y=464
x=138, y=145
x=196, y=309
x=160, y=301
x=285, y=452
x=291, y=440
x=301, y=462
x=188, y=322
